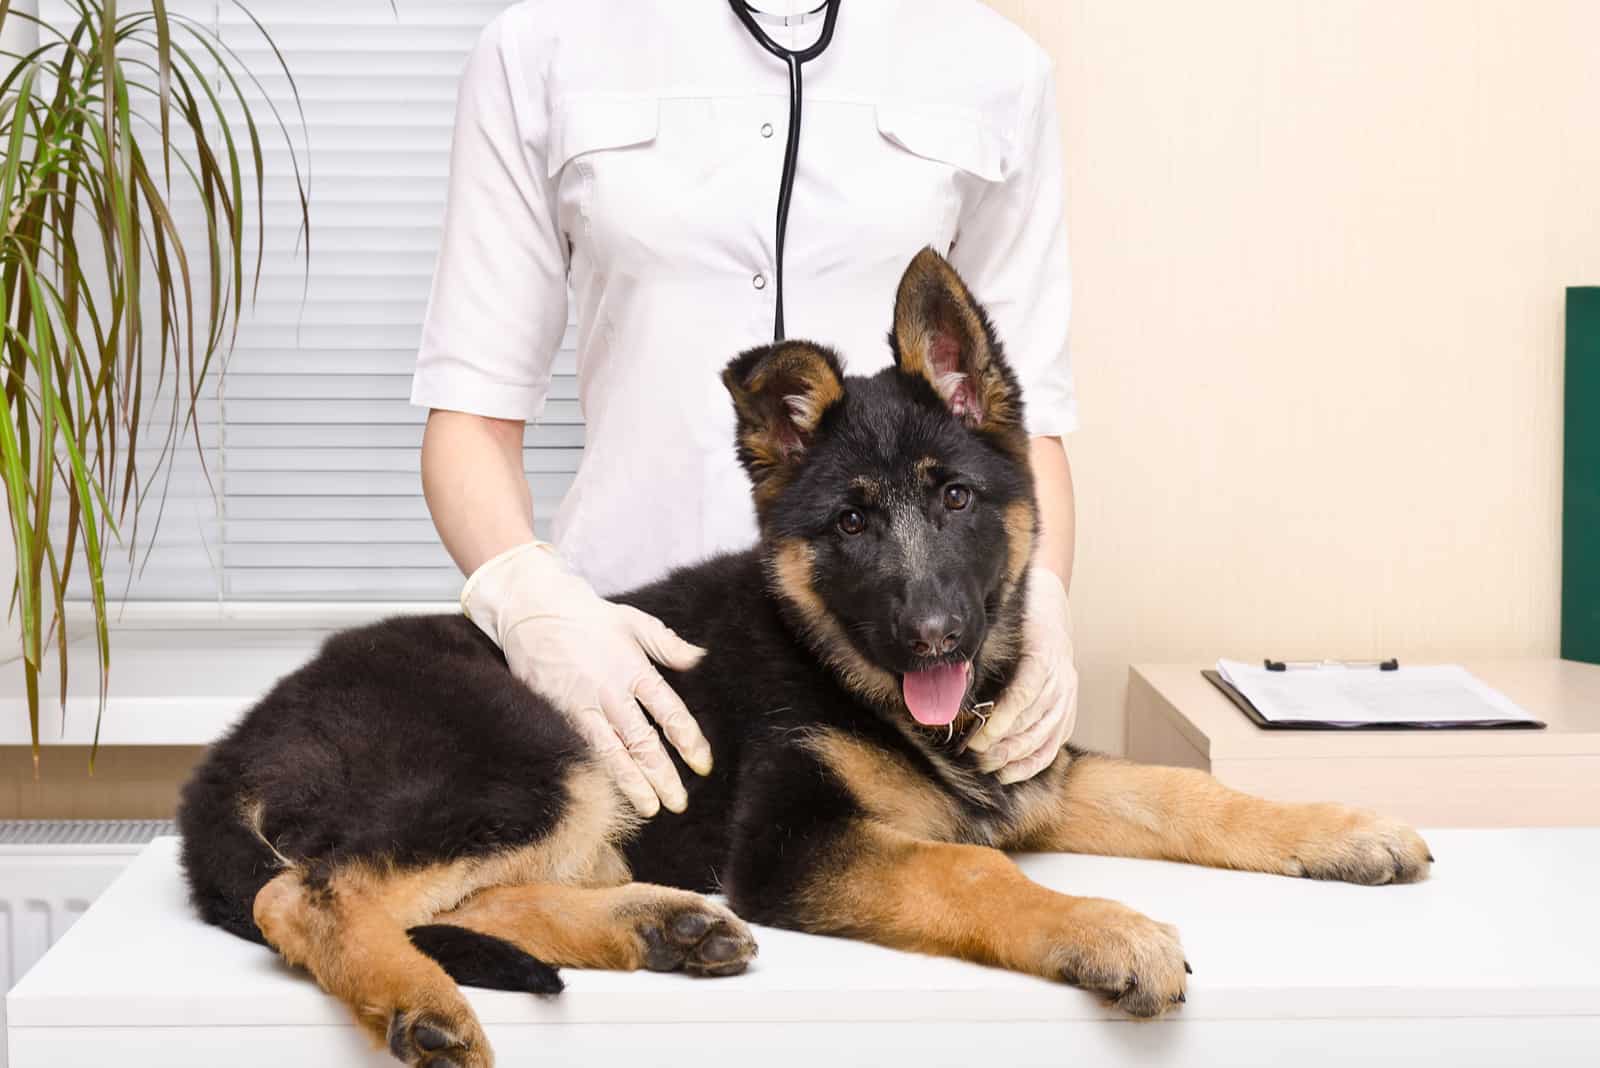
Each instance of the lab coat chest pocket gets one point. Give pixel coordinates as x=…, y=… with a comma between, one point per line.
x=959, y=152
x=598, y=131
x=594, y=122
x=650, y=180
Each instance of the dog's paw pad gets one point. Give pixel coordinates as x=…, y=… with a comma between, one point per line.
x=430, y=1040
x=690, y=926
x=696, y=938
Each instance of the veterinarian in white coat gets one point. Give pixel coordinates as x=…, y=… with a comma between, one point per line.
x=633, y=150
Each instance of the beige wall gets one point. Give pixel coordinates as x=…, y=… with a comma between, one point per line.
x=1319, y=252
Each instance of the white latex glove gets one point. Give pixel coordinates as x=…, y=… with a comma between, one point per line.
x=1034, y=717
x=591, y=659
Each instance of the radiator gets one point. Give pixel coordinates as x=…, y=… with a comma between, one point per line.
x=50, y=871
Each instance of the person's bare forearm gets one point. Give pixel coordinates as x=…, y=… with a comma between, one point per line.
x=476, y=491
x=1052, y=478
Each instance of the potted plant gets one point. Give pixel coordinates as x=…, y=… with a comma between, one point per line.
x=107, y=122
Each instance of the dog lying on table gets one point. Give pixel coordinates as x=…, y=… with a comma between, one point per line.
x=401, y=814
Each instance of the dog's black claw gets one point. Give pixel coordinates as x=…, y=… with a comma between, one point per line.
x=1133, y=983
x=1187, y=968
x=1430, y=858
x=1179, y=999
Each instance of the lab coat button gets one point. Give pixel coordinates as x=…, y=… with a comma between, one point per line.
x=759, y=281
x=766, y=129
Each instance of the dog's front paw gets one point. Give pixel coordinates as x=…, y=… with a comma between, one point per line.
x=1354, y=846
x=1125, y=955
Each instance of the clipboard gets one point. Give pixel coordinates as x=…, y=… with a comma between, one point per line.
x=1255, y=716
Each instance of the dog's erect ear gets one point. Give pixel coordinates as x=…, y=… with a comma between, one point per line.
x=943, y=336
x=780, y=395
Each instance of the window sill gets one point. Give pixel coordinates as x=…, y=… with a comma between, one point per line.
x=180, y=674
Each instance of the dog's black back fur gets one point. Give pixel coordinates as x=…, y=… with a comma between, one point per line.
x=406, y=740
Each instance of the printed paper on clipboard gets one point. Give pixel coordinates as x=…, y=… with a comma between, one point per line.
x=1434, y=696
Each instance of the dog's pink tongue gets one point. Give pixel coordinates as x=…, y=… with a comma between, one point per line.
x=934, y=696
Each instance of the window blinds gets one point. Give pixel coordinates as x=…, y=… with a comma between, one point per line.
x=312, y=447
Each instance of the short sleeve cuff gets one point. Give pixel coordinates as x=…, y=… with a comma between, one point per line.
x=459, y=388
x=1050, y=412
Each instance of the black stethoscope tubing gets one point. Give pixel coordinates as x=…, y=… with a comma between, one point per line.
x=792, y=59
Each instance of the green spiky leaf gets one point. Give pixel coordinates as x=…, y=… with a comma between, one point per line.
x=113, y=312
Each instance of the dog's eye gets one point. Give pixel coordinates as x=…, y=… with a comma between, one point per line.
x=852, y=521
x=957, y=497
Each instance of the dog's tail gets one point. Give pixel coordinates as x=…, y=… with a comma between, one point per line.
x=475, y=959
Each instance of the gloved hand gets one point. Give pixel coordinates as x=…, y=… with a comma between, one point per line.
x=591, y=659
x=1034, y=717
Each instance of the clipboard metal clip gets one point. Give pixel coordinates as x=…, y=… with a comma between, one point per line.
x=1317, y=665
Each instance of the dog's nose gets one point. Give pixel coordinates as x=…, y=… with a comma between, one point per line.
x=936, y=634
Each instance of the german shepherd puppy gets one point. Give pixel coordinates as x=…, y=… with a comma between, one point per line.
x=401, y=814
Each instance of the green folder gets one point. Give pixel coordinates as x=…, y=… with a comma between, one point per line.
x=1580, y=512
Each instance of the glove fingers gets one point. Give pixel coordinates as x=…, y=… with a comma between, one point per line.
x=1034, y=762
x=661, y=643
x=668, y=709
x=602, y=737
x=1046, y=715
x=1018, y=697
x=1047, y=700
x=644, y=749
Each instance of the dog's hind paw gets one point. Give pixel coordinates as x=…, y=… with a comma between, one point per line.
x=429, y=1039
x=1353, y=846
x=694, y=935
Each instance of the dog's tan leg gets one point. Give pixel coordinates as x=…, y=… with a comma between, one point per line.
x=967, y=901
x=622, y=928
x=351, y=936
x=1095, y=804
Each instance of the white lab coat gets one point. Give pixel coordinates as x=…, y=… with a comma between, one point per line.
x=633, y=149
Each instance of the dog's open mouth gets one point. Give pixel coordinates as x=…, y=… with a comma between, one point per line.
x=934, y=694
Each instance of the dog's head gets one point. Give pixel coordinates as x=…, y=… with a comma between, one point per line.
x=897, y=511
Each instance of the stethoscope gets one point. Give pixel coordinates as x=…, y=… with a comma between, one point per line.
x=791, y=152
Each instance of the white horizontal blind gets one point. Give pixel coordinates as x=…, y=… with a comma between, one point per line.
x=184, y=504
x=316, y=447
